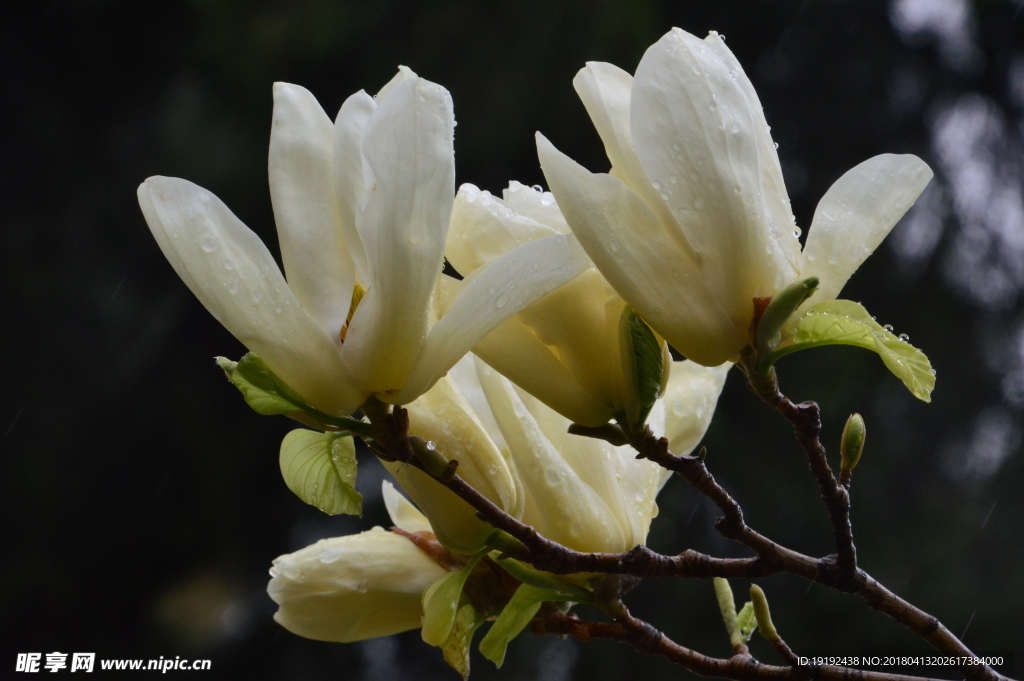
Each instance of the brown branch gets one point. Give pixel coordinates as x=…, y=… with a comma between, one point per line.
x=645, y=639
x=391, y=441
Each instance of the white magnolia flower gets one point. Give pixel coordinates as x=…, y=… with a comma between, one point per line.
x=358, y=586
x=362, y=207
x=693, y=221
x=564, y=348
x=578, y=491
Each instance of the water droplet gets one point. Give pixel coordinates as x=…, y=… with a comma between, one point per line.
x=547, y=199
x=664, y=196
x=278, y=309
x=552, y=475
x=229, y=264
x=209, y=243
x=493, y=470
x=673, y=179
x=904, y=337
x=614, y=246
x=888, y=327
x=656, y=184
x=233, y=286
x=776, y=145
x=537, y=188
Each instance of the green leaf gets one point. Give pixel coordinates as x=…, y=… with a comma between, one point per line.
x=547, y=580
x=269, y=395
x=321, y=469
x=843, y=322
x=456, y=647
x=522, y=607
x=441, y=603
x=779, y=310
x=643, y=366
x=747, y=621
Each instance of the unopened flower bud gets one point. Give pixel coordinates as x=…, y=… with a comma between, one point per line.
x=854, y=434
x=761, y=612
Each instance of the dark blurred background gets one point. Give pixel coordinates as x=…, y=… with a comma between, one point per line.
x=141, y=500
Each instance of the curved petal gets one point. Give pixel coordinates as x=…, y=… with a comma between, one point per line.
x=535, y=204
x=349, y=185
x=317, y=263
x=409, y=167
x=605, y=91
x=442, y=416
x=503, y=288
x=484, y=228
x=630, y=247
x=695, y=130
x=514, y=351
x=690, y=400
x=232, y=273
x=403, y=512
x=780, y=214
x=352, y=588
x=562, y=507
x=856, y=214
x=580, y=323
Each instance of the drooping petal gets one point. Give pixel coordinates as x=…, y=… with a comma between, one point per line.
x=690, y=400
x=503, y=288
x=403, y=513
x=409, y=167
x=484, y=228
x=780, y=214
x=233, y=274
x=632, y=250
x=559, y=504
x=317, y=263
x=695, y=130
x=352, y=588
x=856, y=214
x=349, y=185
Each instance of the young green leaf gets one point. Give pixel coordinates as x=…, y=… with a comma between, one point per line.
x=268, y=395
x=321, y=469
x=644, y=366
x=441, y=603
x=513, y=619
x=747, y=621
x=843, y=322
x=456, y=647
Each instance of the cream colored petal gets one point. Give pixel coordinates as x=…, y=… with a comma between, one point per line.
x=442, y=416
x=695, y=130
x=605, y=91
x=464, y=376
x=500, y=290
x=856, y=214
x=403, y=512
x=563, y=508
x=580, y=326
x=535, y=204
x=233, y=274
x=780, y=214
x=409, y=167
x=404, y=74
x=317, y=263
x=352, y=588
x=628, y=244
x=514, y=350
x=483, y=228
x=690, y=401
x=349, y=185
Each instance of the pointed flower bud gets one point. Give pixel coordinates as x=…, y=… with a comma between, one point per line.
x=761, y=612
x=854, y=435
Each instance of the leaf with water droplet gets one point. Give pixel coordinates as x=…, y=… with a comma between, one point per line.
x=746, y=621
x=844, y=322
x=320, y=468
